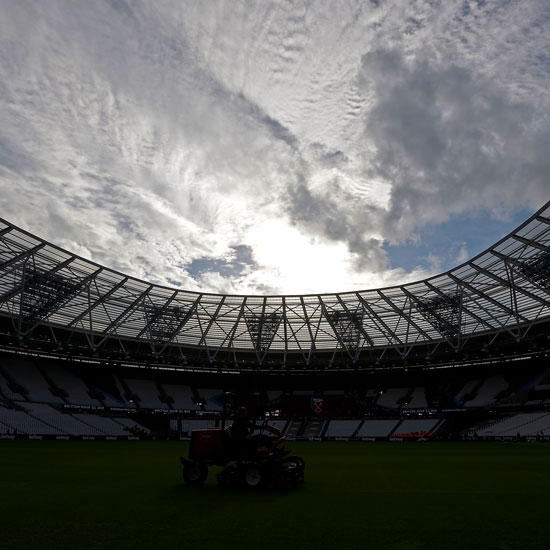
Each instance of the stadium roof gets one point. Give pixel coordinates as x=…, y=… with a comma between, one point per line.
x=505, y=289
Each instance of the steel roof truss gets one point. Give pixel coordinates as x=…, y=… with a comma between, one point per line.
x=22, y=256
x=360, y=326
x=511, y=285
x=379, y=322
x=521, y=267
x=99, y=301
x=47, y=286
x=485, y=296
x=408, y=318
x=308, y=324
x=531, y=242
x=336, y=331
x=465, y=309
x=122, y=316
x=231, y=334
x=147, y=328
x=181, y=324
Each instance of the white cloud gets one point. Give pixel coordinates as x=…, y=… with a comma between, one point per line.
x=147, y=136
x=463, y=254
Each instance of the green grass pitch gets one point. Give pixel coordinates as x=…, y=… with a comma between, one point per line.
x=130, y=495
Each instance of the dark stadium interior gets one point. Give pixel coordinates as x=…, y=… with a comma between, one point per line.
x=87, y=352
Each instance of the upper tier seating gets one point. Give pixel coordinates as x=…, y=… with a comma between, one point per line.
x=110, y=400
x=391, y=397
x=465, y=391
x=417, y=400
x=213, y=399
x=274, y=395
x=27, y=375
x=182, y=396
x=76, y=389
x=7, y=392
x=488, y=391
x=147, y=393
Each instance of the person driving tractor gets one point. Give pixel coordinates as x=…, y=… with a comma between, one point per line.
x=241, y=436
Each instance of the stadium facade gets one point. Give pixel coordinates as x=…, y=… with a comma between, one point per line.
x=488, y=319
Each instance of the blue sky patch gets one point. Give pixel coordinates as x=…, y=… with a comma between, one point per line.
x=227, y=268
x=439, y=246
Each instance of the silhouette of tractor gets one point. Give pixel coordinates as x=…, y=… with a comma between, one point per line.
x=243, y=467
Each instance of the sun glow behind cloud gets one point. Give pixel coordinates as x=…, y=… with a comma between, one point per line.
x=297, y=260
x=266, y=148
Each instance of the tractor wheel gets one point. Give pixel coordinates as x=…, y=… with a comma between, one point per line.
x=194, y=473
x=253, y=476
x=292, y=472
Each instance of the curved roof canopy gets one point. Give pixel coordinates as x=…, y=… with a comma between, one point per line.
x=504, y=289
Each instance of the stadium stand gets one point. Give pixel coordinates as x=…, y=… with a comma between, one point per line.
x=182, y=396
x=524, y=424
x=313, y=428
x=108, y=399
x=6, y=389
x=25, y=374
x=105, y=425
x=44, y=419
x=20, y=422
x=213, y=399
x=467, y=392
x=342, y=428
x=274, y=395
x=488, y=391
x=410, y=427
x=294, y=427
x=417, y=399
x=377, y=428
x=66, y=423
x=279, y=424
x=130, y=425
x=146, y=393
x=390, y=399
x=74, y=388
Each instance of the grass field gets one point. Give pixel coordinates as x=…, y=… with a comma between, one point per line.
x=122, y=495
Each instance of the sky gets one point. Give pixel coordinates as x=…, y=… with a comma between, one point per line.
x=274, y=147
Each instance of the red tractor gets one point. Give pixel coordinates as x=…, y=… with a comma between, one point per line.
x=267, y=468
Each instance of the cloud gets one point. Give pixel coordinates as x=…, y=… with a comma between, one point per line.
x=262, y=147
x=449, y=140
x=463, y=254
x=329, y=158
